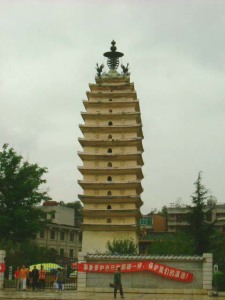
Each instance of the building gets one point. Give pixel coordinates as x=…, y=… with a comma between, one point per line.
x=152, y=228
x=60, y=233
x=176, y=219
x=112, y=158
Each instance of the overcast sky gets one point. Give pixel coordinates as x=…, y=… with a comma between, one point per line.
x=176, y=52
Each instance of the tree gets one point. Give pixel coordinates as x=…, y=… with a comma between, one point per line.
x=200, y=226
x=173, y=244
x=20, y=193
x=164, y=211
x=122, y=246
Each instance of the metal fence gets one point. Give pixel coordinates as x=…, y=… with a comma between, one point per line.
x=66, y=266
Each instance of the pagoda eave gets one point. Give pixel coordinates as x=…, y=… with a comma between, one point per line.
x=112, y=157
x=105, y=103
x=112, y=171
x=112, y=143
x=110, y=87
x=112, y=185
x=109, y=227
x=110, y=213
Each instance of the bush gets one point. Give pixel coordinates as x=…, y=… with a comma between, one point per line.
x=219, y=281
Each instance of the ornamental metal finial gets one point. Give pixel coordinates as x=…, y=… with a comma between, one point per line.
x=113, y=57
x=125, y=70
x=99, y=69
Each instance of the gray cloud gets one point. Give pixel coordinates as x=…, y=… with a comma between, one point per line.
x=176, y=51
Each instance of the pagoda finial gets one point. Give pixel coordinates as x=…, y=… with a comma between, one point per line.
x=113, y=56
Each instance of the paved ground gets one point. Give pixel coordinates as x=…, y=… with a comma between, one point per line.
x=69, y=295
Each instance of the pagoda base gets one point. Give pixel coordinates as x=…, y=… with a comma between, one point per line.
x=95, y=241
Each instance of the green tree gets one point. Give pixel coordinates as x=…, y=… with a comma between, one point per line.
x=20, y=193
x=217, y=247
x=122, y=246
x=173, y=244
x=201, y=228
x=164, y=211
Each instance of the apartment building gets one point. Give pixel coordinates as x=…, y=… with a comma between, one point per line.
x=176, y=219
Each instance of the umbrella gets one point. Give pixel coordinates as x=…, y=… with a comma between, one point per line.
x=46, y=266
x=73, y=274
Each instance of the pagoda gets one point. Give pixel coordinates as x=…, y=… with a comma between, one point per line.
x=112, y=157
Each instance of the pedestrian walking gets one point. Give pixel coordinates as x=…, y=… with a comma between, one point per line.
x=118, y=283
x=23, y=278
x=28, y=278
x=17, y=278
x=34, y=278
x=42, y=277
x=59, y=279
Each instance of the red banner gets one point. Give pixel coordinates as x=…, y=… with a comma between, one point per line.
x=2, y=267
x=158, y=269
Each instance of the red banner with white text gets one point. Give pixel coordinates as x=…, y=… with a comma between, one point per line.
x=156, y=268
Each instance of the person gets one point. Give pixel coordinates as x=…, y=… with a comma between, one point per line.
x=28, y=278
x=118, y=283
x=42, y=277
x=17, y=279
x=59, y=279
x=34, y=278
x=23, y=278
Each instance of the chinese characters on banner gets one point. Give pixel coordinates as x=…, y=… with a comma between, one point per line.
x=158, y=269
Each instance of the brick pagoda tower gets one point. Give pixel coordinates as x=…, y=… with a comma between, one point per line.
x=112, y=158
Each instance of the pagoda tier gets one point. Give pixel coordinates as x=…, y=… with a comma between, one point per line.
x=115, y=199
x=112, y=157
x=112, y=160
x=112, y=171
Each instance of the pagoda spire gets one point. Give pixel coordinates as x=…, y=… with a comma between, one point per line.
x=113, y=56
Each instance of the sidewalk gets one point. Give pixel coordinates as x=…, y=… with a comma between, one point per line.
x=69, y=295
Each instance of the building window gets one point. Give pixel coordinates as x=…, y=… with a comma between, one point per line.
x=109, y=220
x=62, y=235
x=109, y=164
x=71, y=253
x=71, y=236
x=61, y=252
x=109, y=150
x=110, y=123
x=109, y=136
x=110, y=99
x=52, y=234
x=109, y=178
x=110, y=110
x=42, y=235
x=109, y=193
x=109, y=207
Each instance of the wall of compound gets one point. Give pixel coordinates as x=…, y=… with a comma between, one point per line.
x=146, y=281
